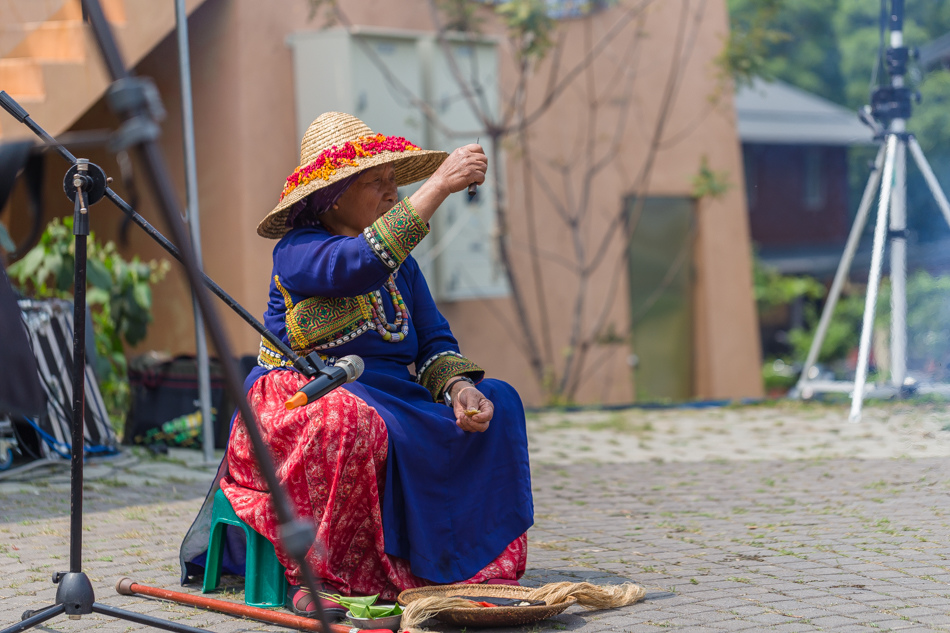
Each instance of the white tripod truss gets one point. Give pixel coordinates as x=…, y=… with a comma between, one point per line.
x=893, y=104
x=892, y=225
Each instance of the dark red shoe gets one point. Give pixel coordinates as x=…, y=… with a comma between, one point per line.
x=301, y=602
x=502, y=581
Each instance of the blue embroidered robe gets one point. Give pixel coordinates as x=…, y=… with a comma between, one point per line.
x=453, y=500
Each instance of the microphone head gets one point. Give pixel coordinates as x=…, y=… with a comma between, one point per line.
x=352, y=365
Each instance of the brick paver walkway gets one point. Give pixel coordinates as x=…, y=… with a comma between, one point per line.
x=732, y=543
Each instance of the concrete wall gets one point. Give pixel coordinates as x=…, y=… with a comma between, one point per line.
x=246, y=146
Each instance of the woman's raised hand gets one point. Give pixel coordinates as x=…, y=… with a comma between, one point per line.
x=464, y=166
x=473, y=411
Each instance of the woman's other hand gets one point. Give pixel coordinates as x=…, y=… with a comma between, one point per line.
x=473, y=411
x=464, y=166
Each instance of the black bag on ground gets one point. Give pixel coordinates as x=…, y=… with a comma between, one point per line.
x=166, y=409
x=20, y=389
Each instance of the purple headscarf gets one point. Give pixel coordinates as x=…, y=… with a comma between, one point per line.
x=307, y=212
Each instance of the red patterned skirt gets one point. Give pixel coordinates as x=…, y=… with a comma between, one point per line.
x=331, y=459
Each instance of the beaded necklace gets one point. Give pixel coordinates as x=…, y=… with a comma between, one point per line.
x=397, y=330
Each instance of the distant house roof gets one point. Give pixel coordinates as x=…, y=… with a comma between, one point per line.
x=775, y=112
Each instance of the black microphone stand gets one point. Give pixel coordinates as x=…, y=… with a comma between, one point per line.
x=135, y=100
x=84, y=184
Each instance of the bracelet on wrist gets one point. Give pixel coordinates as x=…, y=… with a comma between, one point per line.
x=447, y=392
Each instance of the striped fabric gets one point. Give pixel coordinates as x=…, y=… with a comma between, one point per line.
x=50, y=327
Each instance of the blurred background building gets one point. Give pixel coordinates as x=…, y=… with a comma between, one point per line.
x=795, y=156
x=628, y=228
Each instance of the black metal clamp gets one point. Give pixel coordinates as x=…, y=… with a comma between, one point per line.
x=136, y=100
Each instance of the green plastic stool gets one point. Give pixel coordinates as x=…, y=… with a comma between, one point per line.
x=264, y=582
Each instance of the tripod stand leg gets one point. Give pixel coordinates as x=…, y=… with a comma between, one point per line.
x=37, y=617
x=928, y=173
x=874, y=279
x=898, y=237
x=860, y=219
x=147, y=620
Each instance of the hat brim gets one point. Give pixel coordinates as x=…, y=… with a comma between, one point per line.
x=410, y=168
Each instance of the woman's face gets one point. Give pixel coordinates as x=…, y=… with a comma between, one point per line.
x=364, y=202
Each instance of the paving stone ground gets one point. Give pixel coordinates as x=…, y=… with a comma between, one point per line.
x=765, y=518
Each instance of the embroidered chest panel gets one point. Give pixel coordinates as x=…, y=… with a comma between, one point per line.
x=325, y=322
x=321, y=323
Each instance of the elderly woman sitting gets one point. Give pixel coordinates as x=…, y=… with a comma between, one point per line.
x=412, y=478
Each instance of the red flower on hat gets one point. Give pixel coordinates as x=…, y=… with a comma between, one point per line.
x=329, y=160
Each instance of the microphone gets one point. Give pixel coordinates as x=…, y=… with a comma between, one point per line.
x=346, y=369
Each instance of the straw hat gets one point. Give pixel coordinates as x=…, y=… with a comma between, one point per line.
x=336, y=146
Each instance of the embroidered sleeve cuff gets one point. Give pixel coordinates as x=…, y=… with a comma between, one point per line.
x=395, y=234
x=439, y=369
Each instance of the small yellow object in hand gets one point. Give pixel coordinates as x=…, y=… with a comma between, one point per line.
x=471, y=412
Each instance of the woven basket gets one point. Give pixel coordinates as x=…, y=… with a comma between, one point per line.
x=487, y=616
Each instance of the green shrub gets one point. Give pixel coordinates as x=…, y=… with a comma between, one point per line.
x=844, y=329
x=928, y=317
x=773, y=289
x=928, y=320
x=119, y=296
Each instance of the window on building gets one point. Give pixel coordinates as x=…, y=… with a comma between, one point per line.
x=750, y=169
x=814, y=182
x=380, y=76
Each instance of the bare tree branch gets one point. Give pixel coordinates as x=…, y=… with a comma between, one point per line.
x=688, y=129
x=577, y=234
x=394, y=81
x=682, y=54
x=517, y=294
x=482, y=114
x=600, y=363
x=523, y=74
x=555, y=258
x=534, y=257
x=556, y=203
x=580, y=343
x=509, y=327
x=611, y=294
x=588, y=59
x=569, y=189
x=682, y=51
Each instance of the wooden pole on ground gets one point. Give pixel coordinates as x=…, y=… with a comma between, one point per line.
x=128, y=587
